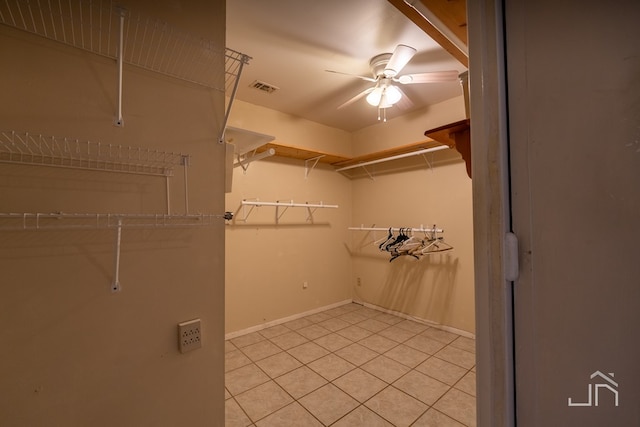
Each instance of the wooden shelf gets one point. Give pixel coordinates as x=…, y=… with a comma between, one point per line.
x=302, y=153
x=403, y=149
x=454, y=135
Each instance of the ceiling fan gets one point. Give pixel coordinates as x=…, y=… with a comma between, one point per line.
x=386, y=68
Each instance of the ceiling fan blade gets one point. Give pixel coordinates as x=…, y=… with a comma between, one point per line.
x=400, y=57
x=369, y=79
x=433, y=77
x=405, y=103
x=357, y=97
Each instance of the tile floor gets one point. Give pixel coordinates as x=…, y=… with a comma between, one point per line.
x=350, y=366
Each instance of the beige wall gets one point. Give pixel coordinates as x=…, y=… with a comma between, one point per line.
x=408, y=128
x=290, y=130
x=267, y=263
x=74, y=353
x=438, y=288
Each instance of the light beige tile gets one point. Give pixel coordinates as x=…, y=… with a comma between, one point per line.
x=456, y=356
x=367, y=312
x=333, y=342
x=425, y=344
x=464, y=343
x=261, y=350
x=467, y=383
x=434, y=418
x=228, y=346
x=312, y=332
x=298, y=323
x=242, y=379
x=334, y=324
x=248, y=339
x=378, y=343
x=292, y=415
x=331, y=366
x=300, y=382
x=289, y=340
x=308, y=352
x=360, y=385
x=440, y=335
x=412, y=326
x=339, y=311
x=274, y=331
x=397, y=334
x=352, y=307
x=386, y=369
x=263, y=400
x=373, y=325
x=227, y=395
x=234, y=360
x=357, y=354
x=422, y=387
x=354, y=333
x=441, y=370
x=397, y=407
x=328, y=403
x=362, y=417
x=352, y=317
x=458, y=405
x=406, y=355
x=388, y=318
x=318, y=317
x=234, y=416
x=278, y=364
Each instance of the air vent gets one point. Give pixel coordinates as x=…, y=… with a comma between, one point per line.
x=265, y=87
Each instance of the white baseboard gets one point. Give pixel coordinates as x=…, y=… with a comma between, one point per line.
x=284, y=320
x=419, y=320
x=276, y=322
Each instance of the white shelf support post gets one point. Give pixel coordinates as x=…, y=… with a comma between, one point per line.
x=185, y=164
x=115, y=286
x=120, y=60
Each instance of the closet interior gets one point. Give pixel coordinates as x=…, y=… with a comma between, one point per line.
x=358, y=308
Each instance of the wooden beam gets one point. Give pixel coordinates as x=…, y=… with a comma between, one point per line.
x=452, y=13
x=433, y=32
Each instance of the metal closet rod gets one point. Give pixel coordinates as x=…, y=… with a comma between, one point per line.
x=416, y=230
x=399, y=156
x=288, y=204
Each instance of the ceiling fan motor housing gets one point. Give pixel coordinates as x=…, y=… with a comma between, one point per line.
x=378, y=63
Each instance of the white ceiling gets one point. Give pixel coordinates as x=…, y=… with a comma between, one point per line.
x=293, y=42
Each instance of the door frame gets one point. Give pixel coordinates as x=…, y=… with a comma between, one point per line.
x=491, y=215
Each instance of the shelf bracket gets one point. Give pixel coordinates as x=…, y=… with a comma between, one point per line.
x=307, y=169
x=368, y=173
x=278, y=213
x=424, y=156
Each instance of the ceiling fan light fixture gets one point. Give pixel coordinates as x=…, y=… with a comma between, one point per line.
x=384, y=96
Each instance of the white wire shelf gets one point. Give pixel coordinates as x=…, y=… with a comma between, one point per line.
x=35, y=149
x=88, y=221
x=97, y=25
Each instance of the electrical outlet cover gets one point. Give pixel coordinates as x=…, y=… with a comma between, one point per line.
x=189, y=335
